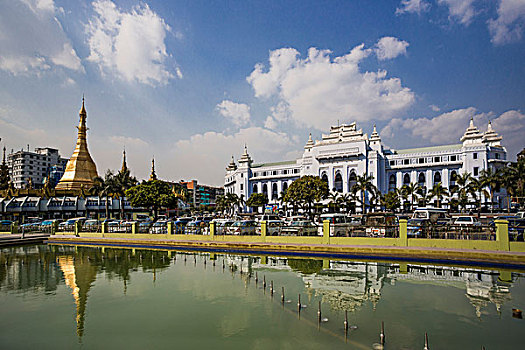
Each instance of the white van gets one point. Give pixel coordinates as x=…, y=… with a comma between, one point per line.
x=435, y=215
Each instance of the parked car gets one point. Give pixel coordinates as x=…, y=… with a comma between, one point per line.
x=91, y=225
x=47, y=225
x=301, y=228
x=221, y=225
x=340, y=224
x=5, y=225
x=69, y=224
x=434, y=215
x=381, y=224
x=242, y=227
x=417, y=227
x=160, y=227
x=193, y=228
x=273, y=227
x=467, y=220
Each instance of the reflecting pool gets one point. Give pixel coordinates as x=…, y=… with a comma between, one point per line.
x=89, y=297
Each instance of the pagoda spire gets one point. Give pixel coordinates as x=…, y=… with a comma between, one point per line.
x=80, y=169
x=153, y=176
x=3, y=158
x=124, y=164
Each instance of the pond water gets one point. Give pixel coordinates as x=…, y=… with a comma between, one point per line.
x=88, y=297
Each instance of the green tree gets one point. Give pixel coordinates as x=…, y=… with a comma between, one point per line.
x=333, y=203
x=438, y=192
x=105, y=187
x=122, y=182
x=154, y=194
x=306, y=191
x=391, y=201
x=463, y=190
x=478, y=187
x=257, y=200
x=410, y=190
x=513, y=178
x=492, y=180
x=4, y=176
x=232, y=202
x=363, y=186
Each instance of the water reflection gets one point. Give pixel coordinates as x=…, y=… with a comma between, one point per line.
x=343, y=285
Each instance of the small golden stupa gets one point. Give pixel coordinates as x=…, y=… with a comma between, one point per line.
x=80, y=169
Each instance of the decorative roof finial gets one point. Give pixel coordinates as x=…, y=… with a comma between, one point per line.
x=124, y=164
x=3, y=159
x=83, y=108
x=153, y=176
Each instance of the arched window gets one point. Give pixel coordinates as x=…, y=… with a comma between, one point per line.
x=392, y=183
x=421, y=180
x=437, y=177
x=338, y=182
x=452, y=181
x=285, y=186
x=265, y=189
x=254, y=188
x=406, y=179
x=275, y=194
x=352, y=180
x=324, y=177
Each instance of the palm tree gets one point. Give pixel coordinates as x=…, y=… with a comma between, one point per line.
x=463, y=189
x=348, y=200
x=232, y=201
x=123, y=181
x=363, y=185
x=375, y=198
x=410, y=190
x=438, y=191
x=492, y=180
x=104, y=187
x=478, y=187
x=513, y=178
x=334, y=198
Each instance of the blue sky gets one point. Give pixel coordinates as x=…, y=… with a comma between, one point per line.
x=190, y=82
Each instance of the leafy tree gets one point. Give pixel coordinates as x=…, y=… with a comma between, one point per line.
x=411, y=190
x=153, y=194
x=232, y=202
x=363, y=185
x=513, y=178
x=348, y=200
x=4, y=176
x=257, y=200
x=492, y=180
x=105, y=187
x=438, y=192
x=333, y=197
x=306, y=191
x=463, y=189
x=122, y=182
x=391, y=201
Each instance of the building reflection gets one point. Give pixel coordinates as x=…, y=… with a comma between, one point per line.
x=347, y=285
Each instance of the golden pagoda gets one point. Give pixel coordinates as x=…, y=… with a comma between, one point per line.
x=80, y=169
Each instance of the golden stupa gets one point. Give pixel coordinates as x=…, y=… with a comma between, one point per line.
x=80, y=169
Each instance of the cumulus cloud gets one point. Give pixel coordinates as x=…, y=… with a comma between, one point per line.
x=129, y=45
x=412, y=6
x=508, y=26
x=434, y=108
x=206, y=155
x=319, y=90
x=389, y=47
x=460, y=10
x=32, y=39
x=447, y=128
x=237, y=113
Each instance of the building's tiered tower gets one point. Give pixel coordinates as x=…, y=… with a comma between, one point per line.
x=80, y=169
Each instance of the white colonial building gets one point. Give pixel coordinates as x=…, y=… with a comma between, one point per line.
x=346, y=152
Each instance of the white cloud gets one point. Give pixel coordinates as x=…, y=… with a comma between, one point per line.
x=237, y=113
x=448, y=128
x=508, y=26
x=412, y=6
x=32, y=39
x=389, y=47
x=205, y=156
x=319, y=90
x=129, y=44
x=461, y=10
x=434, y=108
x=445, y=128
